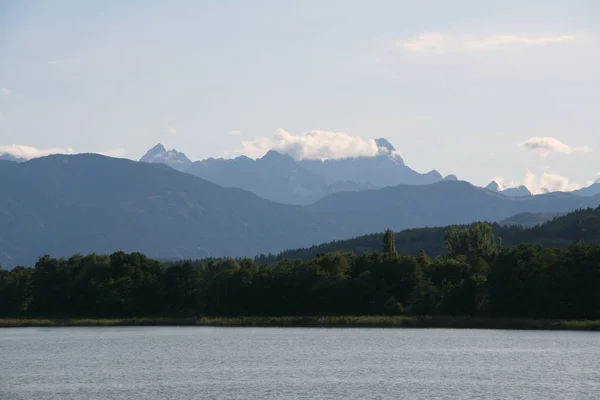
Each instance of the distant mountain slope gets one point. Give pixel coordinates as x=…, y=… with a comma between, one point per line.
x=443, y=203
x=275, y=176
x=89, y=203
x=519, y=191
x=172, y=158
x=592, y=190
x=529, y=219
x=10, y=157
x=385, y=169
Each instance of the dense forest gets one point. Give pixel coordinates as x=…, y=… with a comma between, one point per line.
x=476, y=276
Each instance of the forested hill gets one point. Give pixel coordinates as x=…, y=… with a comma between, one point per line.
x=581, y=225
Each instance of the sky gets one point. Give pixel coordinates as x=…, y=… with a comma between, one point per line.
x=506, y=90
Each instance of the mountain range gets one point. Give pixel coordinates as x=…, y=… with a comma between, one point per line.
x=281, y=178
x=61, y=205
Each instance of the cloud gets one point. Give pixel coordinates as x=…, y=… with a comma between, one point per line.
x=314, y=145
x=6, y=91
x=171, y=131
x=543, y=146
x=546, y=182
x=29, y=152
x=597, y=179
x=236, y=133
x=437, y=43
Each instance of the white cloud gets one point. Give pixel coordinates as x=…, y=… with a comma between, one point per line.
x=543, y=146
x=171, y=131
x=546, y=182
x=236, y=133
x=597, y=179
x=29, y=152
x=6, y=91
x=312, y=145
x=437, y=43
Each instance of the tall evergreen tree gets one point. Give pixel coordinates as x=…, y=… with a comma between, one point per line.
x=389, y=242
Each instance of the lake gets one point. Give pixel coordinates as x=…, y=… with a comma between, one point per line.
x=294, y=363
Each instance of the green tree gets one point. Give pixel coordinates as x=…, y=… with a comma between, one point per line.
x=389, y=242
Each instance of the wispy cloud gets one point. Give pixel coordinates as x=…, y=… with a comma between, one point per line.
x=544, y=146
x=171, y=131
x=236, y=133
x=6, y=91
x=438, y=43
x=314, y=144
x=29, y=152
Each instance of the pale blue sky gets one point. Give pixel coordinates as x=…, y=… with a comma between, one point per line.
x=454, y=85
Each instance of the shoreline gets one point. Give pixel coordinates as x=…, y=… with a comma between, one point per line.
x=317, y=322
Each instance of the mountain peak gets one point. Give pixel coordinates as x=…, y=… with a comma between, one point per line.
x=275, y=155
x=384, y=143
x=158, y=149
x=172, y=158
x=493, y=186
x=450, y=177
x=520, y=191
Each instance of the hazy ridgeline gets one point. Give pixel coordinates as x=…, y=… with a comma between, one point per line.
x=476, y=277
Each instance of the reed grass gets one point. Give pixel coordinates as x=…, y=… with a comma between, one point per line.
x=320, y=322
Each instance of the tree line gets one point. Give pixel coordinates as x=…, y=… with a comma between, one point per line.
x=476, y=276
x=560, y=231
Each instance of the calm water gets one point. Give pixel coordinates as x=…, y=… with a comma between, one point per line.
x=249, y=363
